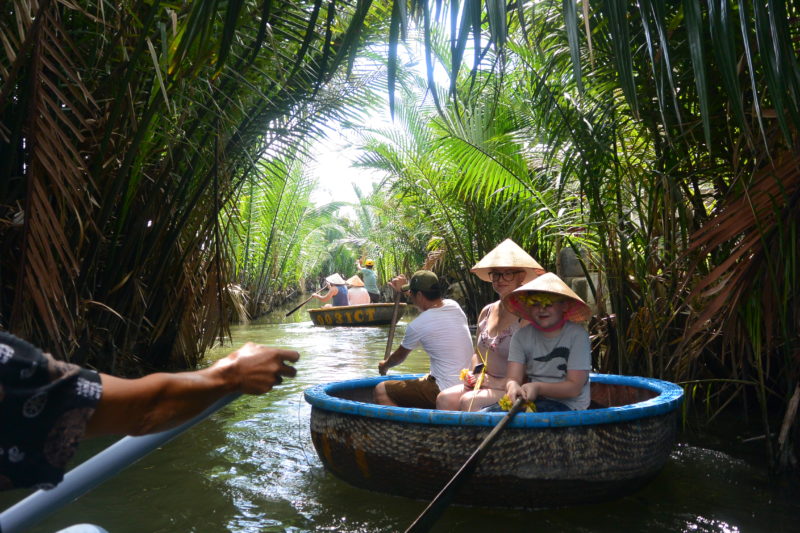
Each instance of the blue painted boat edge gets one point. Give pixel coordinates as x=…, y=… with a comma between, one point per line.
x=669, y=399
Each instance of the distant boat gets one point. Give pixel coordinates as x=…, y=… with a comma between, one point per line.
x=356, y=315
x=539, y=460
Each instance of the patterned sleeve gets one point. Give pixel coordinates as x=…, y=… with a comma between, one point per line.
x=44, y=408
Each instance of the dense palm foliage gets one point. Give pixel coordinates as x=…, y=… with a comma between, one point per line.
x=151, y=152
x=686, y=223
x=127, y=128
x=458, y=192
x=675, y=158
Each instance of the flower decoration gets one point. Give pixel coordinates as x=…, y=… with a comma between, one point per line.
x=541, y=299
x=505, y=404
x=464, y=373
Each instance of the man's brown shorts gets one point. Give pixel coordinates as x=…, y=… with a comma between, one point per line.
x=420, y=392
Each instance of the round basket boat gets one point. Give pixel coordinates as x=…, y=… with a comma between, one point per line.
x=539, y=460
x=356, y=315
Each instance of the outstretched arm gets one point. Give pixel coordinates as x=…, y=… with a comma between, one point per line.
x=332, y=291
x=160, y=401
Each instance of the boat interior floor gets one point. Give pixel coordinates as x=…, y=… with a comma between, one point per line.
x=603, y=395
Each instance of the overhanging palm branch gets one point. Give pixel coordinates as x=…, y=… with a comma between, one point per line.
x=188, y=97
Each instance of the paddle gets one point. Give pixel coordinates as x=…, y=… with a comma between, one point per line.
x=392, y=325
x=304, y=303
x=434, y=509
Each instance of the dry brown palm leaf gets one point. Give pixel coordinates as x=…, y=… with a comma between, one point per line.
x=748, y=225
x=58, y=187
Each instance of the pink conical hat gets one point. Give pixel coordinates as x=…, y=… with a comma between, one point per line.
x=549, y=283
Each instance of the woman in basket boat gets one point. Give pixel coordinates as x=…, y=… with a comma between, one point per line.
x=507, y=267
x=356, y=292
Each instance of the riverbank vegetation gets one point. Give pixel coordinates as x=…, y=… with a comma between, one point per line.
x=153, y=186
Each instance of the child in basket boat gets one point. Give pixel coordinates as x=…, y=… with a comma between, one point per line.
x=553, y=350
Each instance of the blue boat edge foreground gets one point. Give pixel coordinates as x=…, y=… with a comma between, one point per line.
x=540, y=460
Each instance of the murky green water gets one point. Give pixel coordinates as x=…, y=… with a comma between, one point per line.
x=252, y=468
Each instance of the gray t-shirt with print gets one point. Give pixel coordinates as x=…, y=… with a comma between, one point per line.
x=548, y=359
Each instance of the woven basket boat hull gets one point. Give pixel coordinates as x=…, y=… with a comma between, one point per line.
x=356, y=315
x=540, y=459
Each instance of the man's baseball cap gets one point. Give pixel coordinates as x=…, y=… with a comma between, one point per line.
x=422, y=280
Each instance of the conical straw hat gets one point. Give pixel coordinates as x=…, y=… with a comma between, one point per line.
x=355, y=281
x=577, y=311
x=335, y=279
x=507, y=254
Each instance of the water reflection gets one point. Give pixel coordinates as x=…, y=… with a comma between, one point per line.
x=252, y=468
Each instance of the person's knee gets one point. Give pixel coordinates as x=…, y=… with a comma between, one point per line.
x=466, y=402
x=378, y=392
x=380, y=396
x=447, y=401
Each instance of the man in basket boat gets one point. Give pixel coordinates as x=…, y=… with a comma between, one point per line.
x=441, y=328
x=553, y=350
x=337, y=292
x=370, y=279
x=507, y=267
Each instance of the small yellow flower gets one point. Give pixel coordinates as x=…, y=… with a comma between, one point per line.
x=464, y=373
x=505, y=404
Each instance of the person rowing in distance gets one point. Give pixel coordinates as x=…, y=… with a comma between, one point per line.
x=337, y=293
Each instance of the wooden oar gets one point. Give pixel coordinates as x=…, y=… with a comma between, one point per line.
x=304, y=303
x=437, y=506
x=393, y=324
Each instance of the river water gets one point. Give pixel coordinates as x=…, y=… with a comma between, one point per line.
x=252, y=468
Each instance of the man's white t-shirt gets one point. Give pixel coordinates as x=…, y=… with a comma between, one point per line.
x=444, y=334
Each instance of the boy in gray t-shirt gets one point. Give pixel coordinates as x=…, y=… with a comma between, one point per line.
x=552, y=351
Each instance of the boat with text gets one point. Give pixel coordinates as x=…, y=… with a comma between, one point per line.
x=356, y=315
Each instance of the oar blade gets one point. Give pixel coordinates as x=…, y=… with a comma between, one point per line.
x=437, y=506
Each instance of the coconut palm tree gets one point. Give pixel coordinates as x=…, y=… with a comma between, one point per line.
x=126, y=129
x=666, y=123
x=700, y=133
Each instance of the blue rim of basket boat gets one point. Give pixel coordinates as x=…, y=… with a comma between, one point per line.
x=668, y=399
